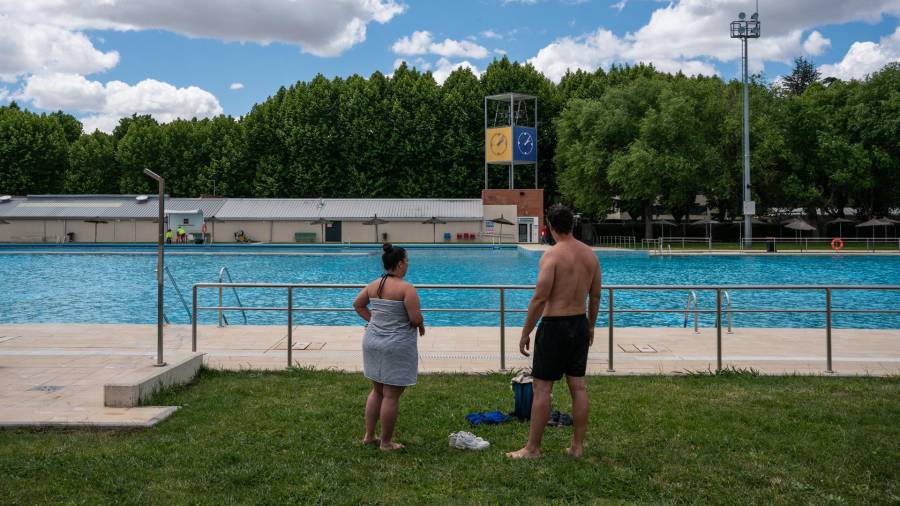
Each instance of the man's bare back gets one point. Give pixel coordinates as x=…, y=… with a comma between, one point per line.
x=575, y=268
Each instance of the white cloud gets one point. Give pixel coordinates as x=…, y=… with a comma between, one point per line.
x=586, y=52
x=421, y=42
x=490, y=34
x=816, y=43
x=236, y=86
x=444, y=67
x=417, y=43
x=689, y=34
x=4, y=93
x=28, y=48
x=523, y=2
x=319, y=27
x=106, y=103
x=863, y=58
x=620, y=5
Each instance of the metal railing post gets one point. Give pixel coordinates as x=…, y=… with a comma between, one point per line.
x=502, y=329
x=290, y=336
x=828, y=368
x=611, y=325
x=194, y=319
x=718, y=329
x=220, y=305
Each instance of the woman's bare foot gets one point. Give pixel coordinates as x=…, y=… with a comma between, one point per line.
x=371, y=441
x=524, y=453
x=389, y=447
x=575, y=451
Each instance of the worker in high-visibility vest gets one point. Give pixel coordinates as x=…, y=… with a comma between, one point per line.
x=169, y=236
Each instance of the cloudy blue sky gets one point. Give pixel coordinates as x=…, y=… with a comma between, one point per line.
x=104, y=59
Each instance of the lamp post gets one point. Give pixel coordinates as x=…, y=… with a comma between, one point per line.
x=160, y=255
x=746, y=29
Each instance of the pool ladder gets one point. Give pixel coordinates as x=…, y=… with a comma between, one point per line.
x=692, y=298
x=180, y=295
x=224, y=274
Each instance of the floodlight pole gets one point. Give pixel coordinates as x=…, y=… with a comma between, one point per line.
x=746, y=29
x=748, y=218
x=160, y=263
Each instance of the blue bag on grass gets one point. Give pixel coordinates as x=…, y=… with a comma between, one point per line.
x=523, y=394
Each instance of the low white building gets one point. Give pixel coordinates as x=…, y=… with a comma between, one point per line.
x=132, y=219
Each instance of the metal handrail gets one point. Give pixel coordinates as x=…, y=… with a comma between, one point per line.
x=223, y=320
x=178, y=291
x=728, y=309
x=611, y=310
x=692, y=297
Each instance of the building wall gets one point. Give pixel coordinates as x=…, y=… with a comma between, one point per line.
x=285, y=230
x=256, y=231
x=527, y=202
x=145, y=230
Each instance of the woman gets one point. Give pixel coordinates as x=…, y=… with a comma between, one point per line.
x=390, y=354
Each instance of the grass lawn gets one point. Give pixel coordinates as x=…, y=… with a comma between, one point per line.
x=281, y=437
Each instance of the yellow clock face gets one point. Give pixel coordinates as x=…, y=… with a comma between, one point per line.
x=498, y=143
x=498, y=147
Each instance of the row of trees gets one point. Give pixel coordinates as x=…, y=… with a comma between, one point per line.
x=820, y=146
x=631, y=133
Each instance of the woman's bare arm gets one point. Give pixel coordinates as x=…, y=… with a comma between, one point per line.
x=361, y=304
x=414, y=309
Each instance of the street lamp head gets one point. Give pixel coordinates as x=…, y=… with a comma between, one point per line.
x=742, y=16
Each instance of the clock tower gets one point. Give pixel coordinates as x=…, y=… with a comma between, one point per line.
x=510, y=133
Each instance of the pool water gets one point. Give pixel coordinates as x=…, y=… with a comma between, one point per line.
x=94, y=287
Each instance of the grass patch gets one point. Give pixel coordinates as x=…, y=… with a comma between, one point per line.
x=282, y=437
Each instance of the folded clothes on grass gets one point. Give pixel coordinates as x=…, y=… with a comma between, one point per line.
x=488, y=417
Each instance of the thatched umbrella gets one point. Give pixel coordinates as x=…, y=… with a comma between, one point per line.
x=840, y=222
x=434, y=223
x=800, y=226
x=375, y=221
x=323, y=222
x=874, y=222
x=708, y=223
x=664, y=223
x=95, y=221
x=502, y=221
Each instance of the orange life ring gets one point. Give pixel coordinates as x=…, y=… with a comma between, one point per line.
x=837, y=244
x=203, y=228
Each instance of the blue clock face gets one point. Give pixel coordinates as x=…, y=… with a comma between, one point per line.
x=525, y=143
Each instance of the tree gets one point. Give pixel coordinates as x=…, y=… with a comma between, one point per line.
x=32, y=152
x=141, y=147
x=802, y=76
x=92, y=165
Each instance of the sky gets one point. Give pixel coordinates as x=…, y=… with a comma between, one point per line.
x=102, y=60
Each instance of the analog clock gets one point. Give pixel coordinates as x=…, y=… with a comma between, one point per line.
x=525, y=143
x=498, y=143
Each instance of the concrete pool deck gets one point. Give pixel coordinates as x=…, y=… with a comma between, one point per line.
x=54, y=374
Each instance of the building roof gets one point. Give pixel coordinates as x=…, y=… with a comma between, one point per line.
x=100, y=206
x=350, y=209
x=130, y=207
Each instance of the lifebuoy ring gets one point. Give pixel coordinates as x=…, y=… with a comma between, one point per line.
x=837, y=244
x=203, y=228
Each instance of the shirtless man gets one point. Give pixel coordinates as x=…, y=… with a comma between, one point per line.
x=569, y=274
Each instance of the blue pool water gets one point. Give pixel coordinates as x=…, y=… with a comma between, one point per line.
x=95, y=287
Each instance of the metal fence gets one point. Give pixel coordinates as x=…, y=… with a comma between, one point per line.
x=611, y=309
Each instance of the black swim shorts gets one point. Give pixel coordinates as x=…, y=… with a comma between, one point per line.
x=561, y=347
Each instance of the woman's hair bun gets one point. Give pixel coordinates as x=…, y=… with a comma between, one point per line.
x=387, y=247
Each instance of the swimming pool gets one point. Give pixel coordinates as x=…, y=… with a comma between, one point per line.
x=96, y=287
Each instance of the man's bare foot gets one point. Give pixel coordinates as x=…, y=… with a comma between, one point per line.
x=371, y=441
x=575, y=451
x=389, y=447
x=524, y=453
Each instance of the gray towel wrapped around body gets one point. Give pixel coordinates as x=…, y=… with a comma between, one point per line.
x=390, y=345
